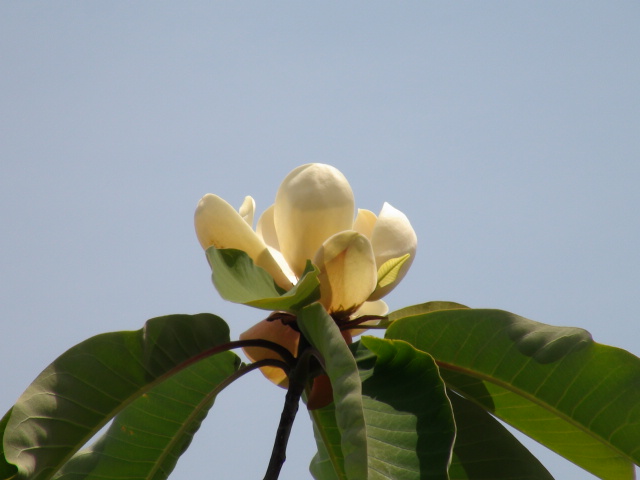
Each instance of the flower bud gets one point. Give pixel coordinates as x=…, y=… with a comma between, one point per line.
x=313, y=202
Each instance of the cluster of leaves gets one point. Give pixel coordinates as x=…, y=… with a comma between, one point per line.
x=420, y=403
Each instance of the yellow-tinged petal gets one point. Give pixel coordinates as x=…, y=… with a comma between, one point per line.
x=392, y=237
x=313, y=202
x=247, y=210
x=276, y=332
x=347, y=271
x=284, y=266
x=364, y=223
x=376, y=307
x=218, y=224
x=267, y=229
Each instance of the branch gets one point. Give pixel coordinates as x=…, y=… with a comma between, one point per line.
x=297, y=381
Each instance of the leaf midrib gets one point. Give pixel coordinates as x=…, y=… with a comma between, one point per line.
x=530, y=398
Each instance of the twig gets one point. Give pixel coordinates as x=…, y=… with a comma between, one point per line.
x=297, y=381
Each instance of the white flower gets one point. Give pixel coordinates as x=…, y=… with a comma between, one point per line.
x=360, y=260
x=313, y=219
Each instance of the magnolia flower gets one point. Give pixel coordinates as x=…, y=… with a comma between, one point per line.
x=360, y=260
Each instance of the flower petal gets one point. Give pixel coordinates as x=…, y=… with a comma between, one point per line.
x=377, y=307
x=347, y=271
x=218, y=224
x=276, y=332
x=313, y=202
x=247, y=210
x=284, y=266
x=267, y=229
x=364, y=223
x=392, y=237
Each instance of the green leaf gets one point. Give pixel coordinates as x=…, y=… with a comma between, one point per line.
x=159, y=381
x=239, y=280
x=423, y=308
x=328, y=463
x=418, y=310
x=146, y=439
x=7, y=470
x=323, y=334
x=409, y=418
x=388, y=271
x=486, y=449
x=409, y=422
x=577, y=397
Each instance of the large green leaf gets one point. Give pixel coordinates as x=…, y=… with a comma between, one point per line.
x=323, y=334
x=485, y=449
x=409, y=422
x=409, y=419
x=328, y=463
x=239, y=280
x=153, y=379
x=7, y=470
x=577, y=397
x=423, y=308
x=146, y=439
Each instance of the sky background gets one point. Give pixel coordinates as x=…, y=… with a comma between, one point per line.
x=508, y=132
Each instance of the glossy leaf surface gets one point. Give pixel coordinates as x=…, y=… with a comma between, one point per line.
x=409, y=422
x=485, y=449
x=152, y=379
x=577, y=397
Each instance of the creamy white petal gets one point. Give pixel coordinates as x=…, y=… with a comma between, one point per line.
x=376, y=307
x=267, y=229
x=284, y=266
x=247, y=210
x=348, y=272
x=364, y=223
x=392, y=237
x=313, y=202
x=217, y=223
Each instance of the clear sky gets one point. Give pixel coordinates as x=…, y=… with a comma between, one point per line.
x=508, y=132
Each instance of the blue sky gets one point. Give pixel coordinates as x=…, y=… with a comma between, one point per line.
x=508, y=132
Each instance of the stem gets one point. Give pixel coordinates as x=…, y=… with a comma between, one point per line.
x=297, y=381
x=353, y=324
x=285, y=354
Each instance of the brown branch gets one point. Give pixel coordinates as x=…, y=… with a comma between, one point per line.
x=297, y=381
